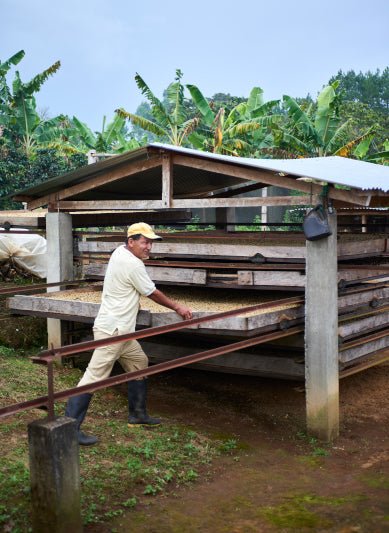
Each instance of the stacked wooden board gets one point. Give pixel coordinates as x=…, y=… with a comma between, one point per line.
x=212, y=272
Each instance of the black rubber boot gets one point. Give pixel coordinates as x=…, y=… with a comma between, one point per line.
x=76, y=408
x=137, y=393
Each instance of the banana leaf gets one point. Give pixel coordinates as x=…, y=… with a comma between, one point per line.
x=144, y=123
x=157, y=108
x=85, y=133
x=255, y=99
x=13, y=60
x=202, y=104
x=300, y=119
x=36, y=83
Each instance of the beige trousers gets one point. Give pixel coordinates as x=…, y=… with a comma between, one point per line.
x=129, y=354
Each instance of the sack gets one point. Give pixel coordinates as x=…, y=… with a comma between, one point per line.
x=316, y=225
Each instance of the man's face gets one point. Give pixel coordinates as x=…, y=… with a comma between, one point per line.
x=140, y=248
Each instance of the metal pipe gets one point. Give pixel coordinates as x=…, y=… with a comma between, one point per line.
x=42, y=286
x=155, y=369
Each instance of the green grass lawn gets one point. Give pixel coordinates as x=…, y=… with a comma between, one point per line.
x=126, y=468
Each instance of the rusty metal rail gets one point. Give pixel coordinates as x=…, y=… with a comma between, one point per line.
x=66, y=351
x=49, y=356
x=41, y=286
x=155, y=369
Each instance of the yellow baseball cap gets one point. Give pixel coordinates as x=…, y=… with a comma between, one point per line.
x=143, y=229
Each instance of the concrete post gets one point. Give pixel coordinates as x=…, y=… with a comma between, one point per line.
x=59, y=265
x=54, y=476
x=321, y=336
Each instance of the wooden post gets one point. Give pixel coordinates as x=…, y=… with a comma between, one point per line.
x=54, y=476
x=59, y=265
x=321, y=336
x=167, y=181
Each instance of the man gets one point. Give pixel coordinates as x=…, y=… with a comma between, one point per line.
x=125, y=281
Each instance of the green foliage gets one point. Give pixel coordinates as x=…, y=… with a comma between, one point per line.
x=370, y=88
x=169, y=121
x=17, y=171
x=243, y=130
x=21, y=123
x=256, y=226
x=318, y=130
x=195, y=225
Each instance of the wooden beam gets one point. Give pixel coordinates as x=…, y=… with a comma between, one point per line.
x=167, y=181
x=69, y=205
x=268, y=177
x=123, y=171
x=225, y=193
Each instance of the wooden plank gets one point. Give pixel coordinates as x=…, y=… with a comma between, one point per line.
x=202, y=250
x=364, y=363
x=375, y=296
x=22, y=219
x=346, y=356
x=270, y=178
x=157, y=274
x=51, y=305
x=235, y=362
x=364, y=325
x=284, y=278
x=281, y=278
x=256, y=201
x=167, y=180
x=365, y=246
x=178, y=275
x=124, y=170
x=106, y=205
x=82, y=205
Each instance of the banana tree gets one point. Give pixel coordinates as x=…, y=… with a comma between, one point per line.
x=18, y=115
x=170, y=122
x=5, y=93
x=112, y=138
x=318, y=131
x=244, y=130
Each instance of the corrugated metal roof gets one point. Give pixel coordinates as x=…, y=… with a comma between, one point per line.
x=333, y=169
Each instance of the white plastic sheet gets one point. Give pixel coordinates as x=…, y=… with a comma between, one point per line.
x=27, y=250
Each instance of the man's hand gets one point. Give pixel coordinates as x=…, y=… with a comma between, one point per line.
x=183, y=311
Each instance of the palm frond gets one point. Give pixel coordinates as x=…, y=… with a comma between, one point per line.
x=202, y=104
x=347, y=149
x=13, y=60
x=86, y=134
x=300, y=119
x=157, y=108
x=175, y=97
x=113, y=129
x=255, y=99
x=143, y=123
x=187, y=129
x=305, y=148
x=37, y=81
x=338, y=139
x=265, y=109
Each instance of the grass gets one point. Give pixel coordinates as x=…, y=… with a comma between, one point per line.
x=126, y=469
x=304, y=511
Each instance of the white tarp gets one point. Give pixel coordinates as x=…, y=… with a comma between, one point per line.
x=27, y=250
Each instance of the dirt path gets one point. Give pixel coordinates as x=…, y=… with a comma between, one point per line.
x=281, y=480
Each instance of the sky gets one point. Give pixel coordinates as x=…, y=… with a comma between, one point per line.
x=225, y=46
